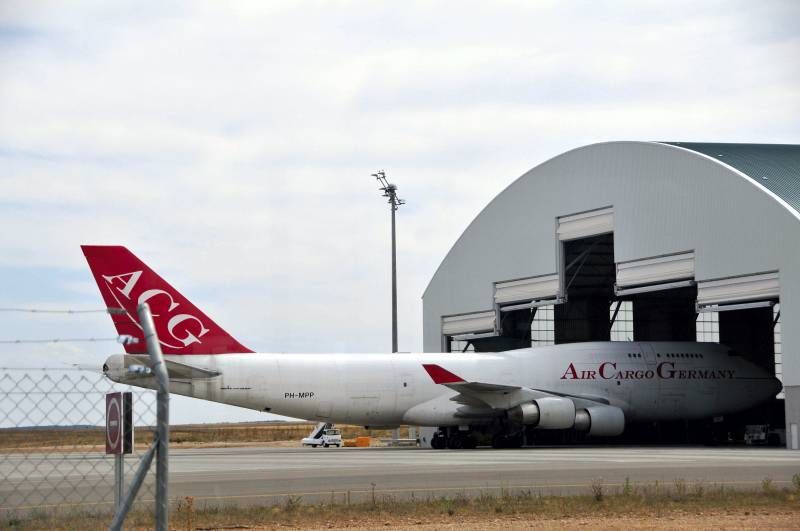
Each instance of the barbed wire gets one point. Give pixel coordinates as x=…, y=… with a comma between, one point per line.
x=64, y=311
x=58, y=340
x=58, y=368
x=123, y=339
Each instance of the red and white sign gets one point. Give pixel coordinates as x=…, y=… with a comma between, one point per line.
x=119, y=428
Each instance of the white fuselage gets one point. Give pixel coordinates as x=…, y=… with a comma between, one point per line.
x=648, y=381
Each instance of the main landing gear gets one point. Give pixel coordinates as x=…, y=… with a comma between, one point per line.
x=507, y=440
x=453, y=439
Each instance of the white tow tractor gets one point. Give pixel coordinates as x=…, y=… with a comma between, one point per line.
x=324, y=435
x=763, y=434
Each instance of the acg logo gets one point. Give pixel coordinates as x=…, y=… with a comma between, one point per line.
x=125, y=284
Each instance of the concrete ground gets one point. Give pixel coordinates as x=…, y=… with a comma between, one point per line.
x=271, y=475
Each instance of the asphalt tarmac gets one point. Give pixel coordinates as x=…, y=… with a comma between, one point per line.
x=269, y=476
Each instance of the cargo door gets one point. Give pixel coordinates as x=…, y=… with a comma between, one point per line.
x=647, y=393
x=671, y=391
x=649, y=355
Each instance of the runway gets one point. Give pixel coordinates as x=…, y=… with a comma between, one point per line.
x=316, y=475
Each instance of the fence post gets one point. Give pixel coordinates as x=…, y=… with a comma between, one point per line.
x=159, y=369
x=119, y=480
x=160, y=446
x=136, y=483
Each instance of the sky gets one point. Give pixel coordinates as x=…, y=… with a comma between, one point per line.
x=230, y=145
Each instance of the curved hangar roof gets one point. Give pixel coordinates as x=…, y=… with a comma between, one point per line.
x=776, y=167
x=713, y=213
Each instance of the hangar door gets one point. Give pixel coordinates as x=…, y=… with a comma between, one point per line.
x=458, y=331
x=512, y=295
x=518, y=302
x=586, y=268
x=468, y=324
x=654, y=274
x=592, y=223
x=748, y=316
x=661, y=292
x=751, y=291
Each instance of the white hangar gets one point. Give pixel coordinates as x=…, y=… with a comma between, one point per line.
x=641, y=241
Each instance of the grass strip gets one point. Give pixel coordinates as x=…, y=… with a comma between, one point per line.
x=600, y=504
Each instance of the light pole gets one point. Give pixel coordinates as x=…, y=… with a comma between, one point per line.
x=390, y=192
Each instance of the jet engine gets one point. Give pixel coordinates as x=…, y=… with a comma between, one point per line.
x=600, y=421
x=442, y=411
x=114, y=367
x=549, y=413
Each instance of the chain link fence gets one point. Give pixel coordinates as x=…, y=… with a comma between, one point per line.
x=52, y=441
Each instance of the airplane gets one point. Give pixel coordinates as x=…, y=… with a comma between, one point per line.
x=595, y=388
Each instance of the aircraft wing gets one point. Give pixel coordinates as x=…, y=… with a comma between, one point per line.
x=497, y=396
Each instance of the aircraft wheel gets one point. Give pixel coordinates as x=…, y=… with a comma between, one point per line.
x=455, y=442
x=313, y=446
x=515, y=441
x=502, y=440
x=438, y=442
x=470, y=443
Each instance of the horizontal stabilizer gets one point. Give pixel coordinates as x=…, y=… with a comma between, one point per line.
x=176, y=371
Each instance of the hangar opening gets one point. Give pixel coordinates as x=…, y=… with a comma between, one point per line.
x=744, y=313
x=588, y=276
x=644, y=242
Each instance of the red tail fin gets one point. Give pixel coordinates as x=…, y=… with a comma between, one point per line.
x=125, y=282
